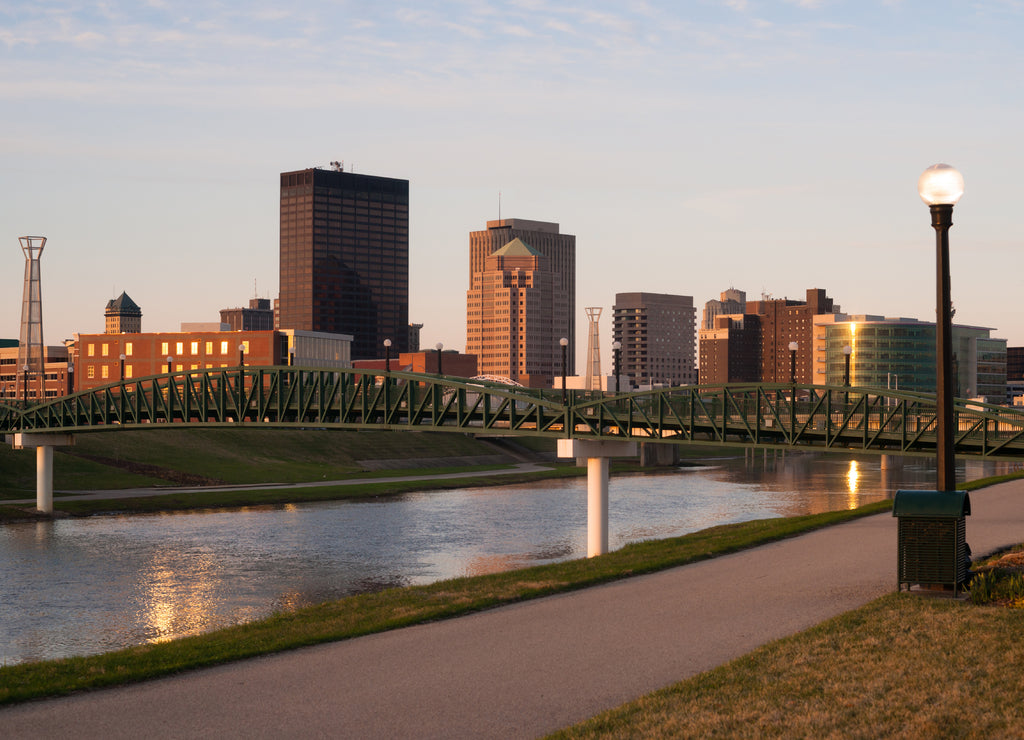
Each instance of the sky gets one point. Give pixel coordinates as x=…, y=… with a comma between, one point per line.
x=690, y=146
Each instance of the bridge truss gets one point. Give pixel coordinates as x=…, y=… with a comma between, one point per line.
x=822, y=417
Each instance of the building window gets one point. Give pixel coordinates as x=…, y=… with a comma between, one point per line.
x=223, y=348
x=92, y=350
x=179, y=349
x=105, y=372
x=127, y=349
x=106, y=350
x=209, y=348
x=127, y=371
x=91, y=371
x=164, y=348
x=195, y=348
x=179, y=367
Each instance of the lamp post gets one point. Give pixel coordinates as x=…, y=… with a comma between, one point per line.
x=241, y=354
x=847, y=350
x=170, y=361
x=439, y=346
x=122, y=366
x=387, y=355
x=291, y=356
x=792, y=362
x=616, y=356
x=71, y=376
x=941, y=186
x=565, y=348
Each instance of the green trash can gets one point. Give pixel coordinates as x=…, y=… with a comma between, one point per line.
x=931, y=547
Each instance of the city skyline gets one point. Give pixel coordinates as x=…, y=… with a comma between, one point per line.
x=768, y=147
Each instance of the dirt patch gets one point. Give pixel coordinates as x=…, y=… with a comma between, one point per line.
x=177, y=477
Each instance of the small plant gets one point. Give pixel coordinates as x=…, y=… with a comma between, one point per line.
x=982, y=587
x=1015, y=588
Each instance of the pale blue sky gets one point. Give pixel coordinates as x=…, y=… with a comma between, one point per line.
x=689, y=146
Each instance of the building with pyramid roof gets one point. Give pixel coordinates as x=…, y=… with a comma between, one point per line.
x=516, y=314
x=123, y=316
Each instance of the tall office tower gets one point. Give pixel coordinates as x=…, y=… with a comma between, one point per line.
x=515, y=315
x=345, y=257
x=123, y=316
x=730, y=302
x=782, y=322
x=730, y=352
x=30, y=346
x=560, y=249
x=657, y=334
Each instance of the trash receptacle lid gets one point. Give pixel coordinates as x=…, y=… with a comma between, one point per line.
x=932, y=504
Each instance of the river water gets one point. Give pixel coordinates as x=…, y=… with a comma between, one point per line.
x=82, y=586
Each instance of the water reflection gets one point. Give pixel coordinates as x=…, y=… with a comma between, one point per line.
x=80, y=586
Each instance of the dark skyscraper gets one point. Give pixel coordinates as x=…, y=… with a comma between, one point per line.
x=345, y=257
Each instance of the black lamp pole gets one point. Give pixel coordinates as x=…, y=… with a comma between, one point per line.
x=847, y=350
x=565, y=349
x=439, y=347
x=941, y=187
x=616, y=357
x=387, y=355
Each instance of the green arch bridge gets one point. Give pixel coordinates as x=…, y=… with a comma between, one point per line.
x=767, y=415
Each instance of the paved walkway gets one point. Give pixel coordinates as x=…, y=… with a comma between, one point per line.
x=118, y=493
x=527, y=669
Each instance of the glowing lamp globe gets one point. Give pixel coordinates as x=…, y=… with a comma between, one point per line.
x=940, y=184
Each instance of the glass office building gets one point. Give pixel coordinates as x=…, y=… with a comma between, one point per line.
x=899, y=353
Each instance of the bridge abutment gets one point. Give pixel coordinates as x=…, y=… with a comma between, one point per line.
x=596, y=453
x=44, y=444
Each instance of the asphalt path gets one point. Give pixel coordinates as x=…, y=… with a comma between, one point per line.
x=120, y=493
x=526, y=669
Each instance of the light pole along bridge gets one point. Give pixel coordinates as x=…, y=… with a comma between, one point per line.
x=591, y=424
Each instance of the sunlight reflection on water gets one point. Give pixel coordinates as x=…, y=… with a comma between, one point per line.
x=79, y=586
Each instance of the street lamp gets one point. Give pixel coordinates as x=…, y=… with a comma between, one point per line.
x=71, y=376
x=792, y=362
x=941, y=186
x=291, y=356
x=122, y=366
x=439, y=346
x=170, y=360
x=565, y=349
x=847, y=350
x=241, y=354
x=616, y=356
x=387, y=355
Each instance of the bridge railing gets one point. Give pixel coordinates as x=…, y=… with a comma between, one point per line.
x=825, y=417
x=814, y=416
x=299, y=396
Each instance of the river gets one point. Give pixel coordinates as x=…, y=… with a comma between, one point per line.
x=88, y=585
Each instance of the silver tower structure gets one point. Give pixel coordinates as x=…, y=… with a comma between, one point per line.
x=593, y=381
x=30, y=347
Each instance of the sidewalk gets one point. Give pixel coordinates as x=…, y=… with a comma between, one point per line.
x=530, y=668
x=118, y=493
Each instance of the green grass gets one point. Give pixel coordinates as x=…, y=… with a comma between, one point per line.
x=902, y=666
x=393, y=608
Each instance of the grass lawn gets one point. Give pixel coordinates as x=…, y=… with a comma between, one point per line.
x=902, y=666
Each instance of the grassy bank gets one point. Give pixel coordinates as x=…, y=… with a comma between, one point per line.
x=902, y=666
x=393, y=608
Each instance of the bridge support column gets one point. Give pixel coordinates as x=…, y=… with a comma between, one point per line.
x=44, y=444
x=596, y=452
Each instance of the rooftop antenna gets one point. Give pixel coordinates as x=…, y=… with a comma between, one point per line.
x=338, y=166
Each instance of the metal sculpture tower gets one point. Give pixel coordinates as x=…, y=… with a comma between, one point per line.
x=30, y=345
x=593, y=381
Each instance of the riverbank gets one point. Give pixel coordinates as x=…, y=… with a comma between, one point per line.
x=542, y=664
x=393, y=608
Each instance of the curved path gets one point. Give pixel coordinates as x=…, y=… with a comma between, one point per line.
x=117, y=493
x=526, y=669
